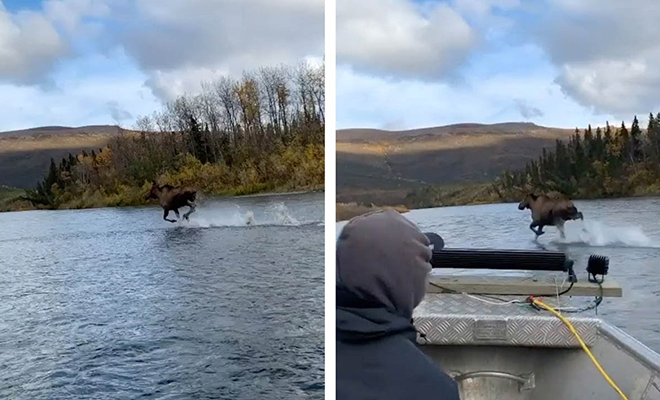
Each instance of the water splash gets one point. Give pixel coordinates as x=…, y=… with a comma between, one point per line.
x=281, y=215
x=219, y=218
x=249, y=218
x=597, y=234
x=274, y=215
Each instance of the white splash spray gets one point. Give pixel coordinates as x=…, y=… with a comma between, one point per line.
x=275, y=215
x=280, y=215
x=249, y=218
x=594, y=233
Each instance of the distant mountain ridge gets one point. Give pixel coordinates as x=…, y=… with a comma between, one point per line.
x=62, y=131
x=371, y=163
x=506, y=128
x=382, y=166
x=25, y=154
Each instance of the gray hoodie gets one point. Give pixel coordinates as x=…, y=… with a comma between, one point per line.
x=382, y=270
x=384, y=257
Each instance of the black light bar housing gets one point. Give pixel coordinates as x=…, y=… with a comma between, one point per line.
x=527, y=260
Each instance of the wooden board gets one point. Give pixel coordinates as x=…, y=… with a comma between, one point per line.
x=507, y=285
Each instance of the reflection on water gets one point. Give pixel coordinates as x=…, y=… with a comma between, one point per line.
x=117, y=303
x=627, y=231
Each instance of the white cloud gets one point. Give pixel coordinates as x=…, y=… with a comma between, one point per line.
x=400, y=39
x=483, y=8
x=83, y=102
x=32, y=42
x=172, y=84
x=617, y=86
x=373, y=102
x=607, y=52
x=118, y=113
x=181, y=42
x=69, y=13
x=177, y=43
x=527, y=111
x=29, y=46
x=599, y=61
x=91, y=90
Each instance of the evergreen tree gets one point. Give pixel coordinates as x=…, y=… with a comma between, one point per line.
x=589, y=142
x=43, y=195
x=53, y=176
x=624, y=142
x=610, y=143
x=653, y=135
x=592, y=165
x=579, y=155
x=636, y=151
x=600, y=145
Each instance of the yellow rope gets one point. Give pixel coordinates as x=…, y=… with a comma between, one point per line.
x=584, y=346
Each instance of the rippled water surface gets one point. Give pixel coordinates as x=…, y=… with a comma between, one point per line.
x=117, y=303
x=627, y=231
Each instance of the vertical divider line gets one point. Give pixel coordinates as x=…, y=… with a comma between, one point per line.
x=330, y=197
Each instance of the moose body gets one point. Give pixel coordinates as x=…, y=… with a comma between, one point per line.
x=172, y=198
x=547, y=211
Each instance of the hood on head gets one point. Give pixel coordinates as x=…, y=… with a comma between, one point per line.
x=360, y=320
x=383, y=257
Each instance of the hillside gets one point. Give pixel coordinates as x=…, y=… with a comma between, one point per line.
x=25, y=154
x=384, y=166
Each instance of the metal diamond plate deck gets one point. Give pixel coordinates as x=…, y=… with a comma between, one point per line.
x=461, y=320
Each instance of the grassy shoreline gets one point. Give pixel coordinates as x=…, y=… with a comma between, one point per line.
x=346, y=211
x=10, y=198
x=468, y=194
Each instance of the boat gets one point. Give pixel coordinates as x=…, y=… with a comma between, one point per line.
x=520, y=337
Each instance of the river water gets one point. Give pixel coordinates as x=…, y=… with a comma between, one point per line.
x=116, y=303
x=625, y=230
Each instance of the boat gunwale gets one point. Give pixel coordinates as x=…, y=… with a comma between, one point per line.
x=630, y=345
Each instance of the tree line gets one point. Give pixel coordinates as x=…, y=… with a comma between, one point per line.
x=607, y=162
x=263, y=131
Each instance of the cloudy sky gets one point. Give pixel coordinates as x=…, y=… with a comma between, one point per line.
x=79, y=62
x=565, y=63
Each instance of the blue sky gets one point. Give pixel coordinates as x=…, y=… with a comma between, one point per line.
x=564, y=63
x=18, y=5
x=80, y=62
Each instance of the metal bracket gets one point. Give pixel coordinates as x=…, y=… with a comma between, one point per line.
x=526, y=382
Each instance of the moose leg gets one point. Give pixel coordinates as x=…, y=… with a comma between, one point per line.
x=539, y=230
x=166, y=213
x=192, y=210
x=560, y=225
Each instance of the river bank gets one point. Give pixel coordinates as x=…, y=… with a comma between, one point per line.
x=468, y=194
x=320, y=188
x=346, y=211
x=11, y=198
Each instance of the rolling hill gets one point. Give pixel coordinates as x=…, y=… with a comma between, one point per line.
x=25, y=154
x=382, y=167
x=372, y=165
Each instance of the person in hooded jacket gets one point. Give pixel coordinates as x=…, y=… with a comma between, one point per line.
x=383, y=263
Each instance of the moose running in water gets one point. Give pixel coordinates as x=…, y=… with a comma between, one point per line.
x=547, y=211
x=172, y=198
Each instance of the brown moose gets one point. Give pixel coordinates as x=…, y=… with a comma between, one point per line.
x=172, y=198
x=547, y=211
